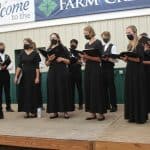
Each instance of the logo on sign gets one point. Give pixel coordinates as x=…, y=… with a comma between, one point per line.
x=47, y=7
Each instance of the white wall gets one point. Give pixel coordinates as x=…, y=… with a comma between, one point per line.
x=14, y=39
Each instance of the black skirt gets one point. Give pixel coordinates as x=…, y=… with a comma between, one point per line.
x=135, y=94
x=94, y=96
x=28, y=93
x=59, y=89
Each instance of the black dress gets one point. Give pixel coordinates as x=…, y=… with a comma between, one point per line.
x=147, y=75
x=59, y=86
x=94, y=96
x=28, y=90
x=135, y=96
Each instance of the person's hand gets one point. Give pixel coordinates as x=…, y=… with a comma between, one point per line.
x=60, y=59
x=51, y=57
x=105, y=58
x=3, y=67
x=37, y=80
x=15, y=79
x=79, y=61
x=81, y=55
x=124, y=58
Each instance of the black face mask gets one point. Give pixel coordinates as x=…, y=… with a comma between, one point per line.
x=130, y=37
x=87, y=37
x=54, y=41
x=27, y=46
x=2, y=50
x=73, y=46
x=106, y=40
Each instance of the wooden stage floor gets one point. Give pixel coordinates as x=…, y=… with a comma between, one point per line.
x=76, y=129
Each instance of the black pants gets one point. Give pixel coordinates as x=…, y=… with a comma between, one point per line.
x=76, y=81
x=109, y=86
x=5, y=84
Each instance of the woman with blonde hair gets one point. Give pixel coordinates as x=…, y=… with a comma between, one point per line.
x=94, y=97
x=135, y=101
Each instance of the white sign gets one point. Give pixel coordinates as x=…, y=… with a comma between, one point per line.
x=16, y=11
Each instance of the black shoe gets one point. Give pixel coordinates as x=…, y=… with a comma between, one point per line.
x=1, y=115
x=113, y=109
x=54, y=116
x=66, y=116
x=91, y=118
x=80, y=107
x=101, y=119
x=33, y=116
x=9, y=110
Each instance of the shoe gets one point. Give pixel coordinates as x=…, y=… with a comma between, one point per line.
x=66, y=116
x=113, y=109
x=33, y=116
x=26, y=116
x=1, y=115
x=54, y=116
x=91, y=118
x=101, y=119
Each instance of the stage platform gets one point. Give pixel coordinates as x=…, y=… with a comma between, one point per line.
x=75, y=133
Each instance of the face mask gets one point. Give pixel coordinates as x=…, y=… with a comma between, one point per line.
x=54, y=41
x=106, y=40
x=2, y=50
x=130, y=37
x=27, y=46
x=87, y=37
x=73, y=46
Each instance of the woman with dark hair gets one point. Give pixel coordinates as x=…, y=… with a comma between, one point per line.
x=58, y=80
x=135, y=100
x=94, y=96
x=29, y=68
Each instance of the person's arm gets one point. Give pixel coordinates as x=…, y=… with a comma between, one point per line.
x=133, y=59
x=146, y=62
x=18, y=71
x=64, y=60
x=37, y=78
x=87, y=57
x=37, y=60
x=50, y=59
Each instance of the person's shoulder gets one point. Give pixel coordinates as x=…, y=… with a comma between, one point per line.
x=63, y=47
x=98, y=41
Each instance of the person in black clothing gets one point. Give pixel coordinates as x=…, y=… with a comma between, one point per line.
x=108, y=72
x=28, y=66
x=5, y=65
x=135, y=90
x=58, y=79
x=145, y=41
x=93, y=84
x=76, y=73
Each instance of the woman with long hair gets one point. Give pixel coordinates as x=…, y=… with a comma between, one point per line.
x=135, y=100
x=58, y=80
